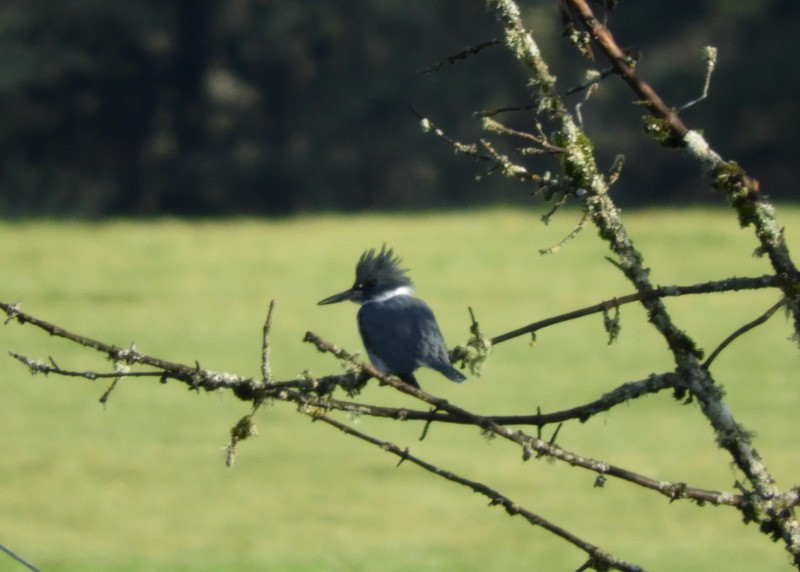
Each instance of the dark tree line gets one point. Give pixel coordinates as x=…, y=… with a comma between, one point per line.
x=212, y=107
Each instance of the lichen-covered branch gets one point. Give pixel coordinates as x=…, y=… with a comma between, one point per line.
x=741, y=189
x=314, y=395
x=581, y=173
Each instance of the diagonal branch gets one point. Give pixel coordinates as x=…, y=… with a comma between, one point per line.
x=596, y=554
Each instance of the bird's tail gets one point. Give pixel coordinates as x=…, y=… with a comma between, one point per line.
x=451, y=373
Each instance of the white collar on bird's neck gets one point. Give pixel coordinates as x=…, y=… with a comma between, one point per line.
x=399, y=291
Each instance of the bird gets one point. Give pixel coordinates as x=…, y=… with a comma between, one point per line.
x=399, y=331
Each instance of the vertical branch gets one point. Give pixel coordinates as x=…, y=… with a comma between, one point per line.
x=246, y=427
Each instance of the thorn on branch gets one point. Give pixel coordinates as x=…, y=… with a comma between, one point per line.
x=428, y=423
x=107, y=394
x=552, y=442
x=462, y=55
x=403, y=457
x=555, y=434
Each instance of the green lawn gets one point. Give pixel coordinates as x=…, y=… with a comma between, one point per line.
x=141, y=484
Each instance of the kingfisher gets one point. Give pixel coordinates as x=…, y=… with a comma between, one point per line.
x=399, y=331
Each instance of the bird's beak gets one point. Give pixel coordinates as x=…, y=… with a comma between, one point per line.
x=340, y=297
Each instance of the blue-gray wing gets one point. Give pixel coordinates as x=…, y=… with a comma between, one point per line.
x=401, y=334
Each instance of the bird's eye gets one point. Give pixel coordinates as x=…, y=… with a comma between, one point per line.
x=366, y=285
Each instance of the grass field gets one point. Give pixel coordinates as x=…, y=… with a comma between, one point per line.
x=141, y=484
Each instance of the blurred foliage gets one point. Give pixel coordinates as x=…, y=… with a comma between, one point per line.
x=212, y=107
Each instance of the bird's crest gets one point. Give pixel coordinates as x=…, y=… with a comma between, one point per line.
x=382, y=267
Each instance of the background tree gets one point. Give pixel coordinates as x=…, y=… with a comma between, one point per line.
x=215, y=107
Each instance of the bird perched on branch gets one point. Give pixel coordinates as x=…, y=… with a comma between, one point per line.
x=399, y=331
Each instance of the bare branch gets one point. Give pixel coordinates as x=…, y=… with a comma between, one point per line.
x=462, y=55
x=727, y=285
x=744, y=329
